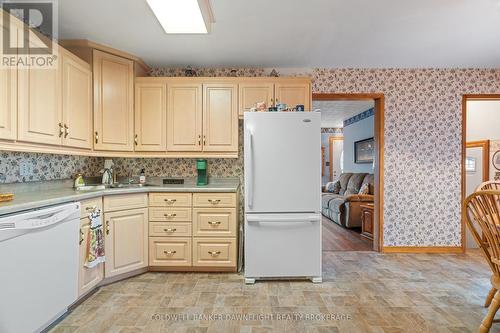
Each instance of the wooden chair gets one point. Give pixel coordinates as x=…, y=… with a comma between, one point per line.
x=489, y=185
x=482, y=214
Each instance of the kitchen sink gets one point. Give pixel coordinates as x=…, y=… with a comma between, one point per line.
x=91, y=188
x=127, y=185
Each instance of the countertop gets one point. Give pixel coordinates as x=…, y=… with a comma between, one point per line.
x=34, y=195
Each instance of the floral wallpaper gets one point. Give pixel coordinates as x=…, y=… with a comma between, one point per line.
x=422, y=155
x=46, y=166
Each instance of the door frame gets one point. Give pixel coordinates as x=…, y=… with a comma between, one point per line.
x=330, y=152
x=465, y=99
x=379, y=99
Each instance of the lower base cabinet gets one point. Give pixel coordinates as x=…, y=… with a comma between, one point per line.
x=170, y=251
x=126, y=240
x=214, y=252
x=88, y=278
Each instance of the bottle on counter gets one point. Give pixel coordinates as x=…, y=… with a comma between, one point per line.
x=142, y=177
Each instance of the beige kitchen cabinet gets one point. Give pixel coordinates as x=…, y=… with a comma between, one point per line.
x=150, y=116
x=252, y=93
x=126, y=241
x=220, y=117
x=76, y=102
x=39, y=102
x=293, y=93
x=88, y=278
x=113, y=102
x=8, y=99
x=215, y=252
x=184, y=116
x=170, y=251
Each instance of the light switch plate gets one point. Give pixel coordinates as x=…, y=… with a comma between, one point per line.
x=25, y=169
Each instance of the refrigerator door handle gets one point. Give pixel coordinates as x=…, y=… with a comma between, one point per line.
x=251, y=180
x=312, y=218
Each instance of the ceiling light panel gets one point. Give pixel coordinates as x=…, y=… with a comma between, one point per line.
x=183, y=16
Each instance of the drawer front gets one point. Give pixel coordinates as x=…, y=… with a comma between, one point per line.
x=158, y=214
x=165, y=229
x=125, y=201
x=169, y=251
x=216, y=252
x=214, y=222
x=89, y=205
x=214, y=199
x=170, y=199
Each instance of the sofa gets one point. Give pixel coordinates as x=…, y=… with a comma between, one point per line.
x=341, y=200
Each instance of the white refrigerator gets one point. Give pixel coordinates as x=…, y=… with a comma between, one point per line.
x=282, y=158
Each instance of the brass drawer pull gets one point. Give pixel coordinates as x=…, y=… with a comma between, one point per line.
x=61, y=130
x=169, y=253
x=214, y=222
x=96, y=137
x=170, y=229
x=214, y=253
x=136, y=140
x=107, y=227
x=214, y=201
x=82, y=238
x=170, y=215
x=90, y=209
x=66, y=130
x=170, y=201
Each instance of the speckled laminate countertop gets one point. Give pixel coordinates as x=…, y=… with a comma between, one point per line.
x=40, y=194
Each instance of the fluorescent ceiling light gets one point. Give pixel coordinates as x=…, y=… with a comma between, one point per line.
x=183, y=16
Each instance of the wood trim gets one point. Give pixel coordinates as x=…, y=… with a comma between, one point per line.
x=330, y=149
x=485, y=145
x=346, y=97
x=19, y=146
x=192, y=268
x=226, y=79
x=422, y=249
x=379, y=120
x=465, y=98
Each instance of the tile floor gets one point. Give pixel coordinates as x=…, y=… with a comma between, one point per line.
x=361, y=292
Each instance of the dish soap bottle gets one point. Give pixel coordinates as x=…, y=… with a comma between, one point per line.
x=201, y=167
x=142, y=177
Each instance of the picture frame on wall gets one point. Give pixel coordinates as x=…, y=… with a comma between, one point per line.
x=364, y=151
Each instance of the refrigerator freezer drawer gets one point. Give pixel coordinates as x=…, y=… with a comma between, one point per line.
x=282, y=245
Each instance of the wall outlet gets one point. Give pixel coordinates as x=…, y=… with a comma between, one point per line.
x=25, y=169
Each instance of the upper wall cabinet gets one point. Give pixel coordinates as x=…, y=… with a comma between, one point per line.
x=76, y=102
x=113, y=102
x=220, y=117
x=293, y=93
x=184, y=116
x=8, y=100
x=252, y=93
x=39, y=102
x=150, y=116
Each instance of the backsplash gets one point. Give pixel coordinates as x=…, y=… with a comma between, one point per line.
x=46, y=166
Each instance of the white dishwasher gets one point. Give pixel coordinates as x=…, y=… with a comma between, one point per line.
x=38, y=267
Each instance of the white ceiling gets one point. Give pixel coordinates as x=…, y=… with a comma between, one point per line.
x=333, y=113
x=299, y=33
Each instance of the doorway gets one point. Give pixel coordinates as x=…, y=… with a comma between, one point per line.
x=352, y=221
x=480, y=142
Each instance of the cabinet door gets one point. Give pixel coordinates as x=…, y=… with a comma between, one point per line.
x=88, y=278
x=150, y=116
x=252, y=93
x=8, y=99
x=293, y=94
x=76, y=103
x=126, y=241
x=39, y=101
x=113, y=102
x=184, y=117
x=220, y=117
